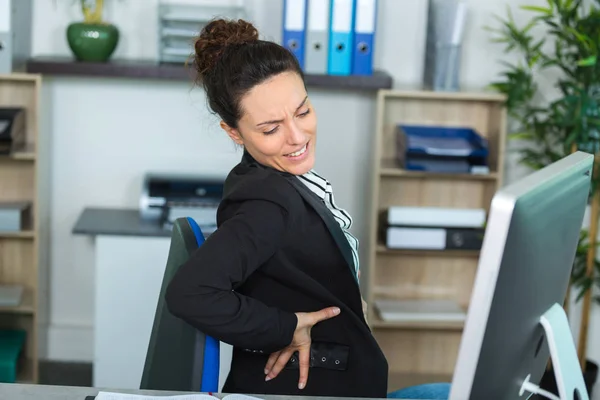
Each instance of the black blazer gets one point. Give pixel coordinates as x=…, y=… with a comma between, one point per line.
x=278, y=250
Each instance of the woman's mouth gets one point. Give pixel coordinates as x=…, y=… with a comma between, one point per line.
x=298, y=153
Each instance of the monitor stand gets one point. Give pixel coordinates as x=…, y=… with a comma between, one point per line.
x=567, y=370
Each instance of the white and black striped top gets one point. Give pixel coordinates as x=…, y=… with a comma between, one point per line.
x=322, y=188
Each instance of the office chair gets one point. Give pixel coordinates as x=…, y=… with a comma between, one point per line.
x=179, y=357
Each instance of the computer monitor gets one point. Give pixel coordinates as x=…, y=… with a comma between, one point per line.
x=515, y=319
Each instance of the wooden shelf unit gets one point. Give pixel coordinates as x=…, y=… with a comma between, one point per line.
x=19, y=250
x=426, y=351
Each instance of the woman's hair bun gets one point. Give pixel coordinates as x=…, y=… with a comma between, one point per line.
x=216, y=36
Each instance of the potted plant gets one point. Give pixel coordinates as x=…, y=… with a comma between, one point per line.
x=561, y=44
x=92, y=39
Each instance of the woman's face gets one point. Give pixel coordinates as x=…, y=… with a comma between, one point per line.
x=278, y=126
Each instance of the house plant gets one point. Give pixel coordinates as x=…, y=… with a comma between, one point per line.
x=559, y=43
x=92, y=39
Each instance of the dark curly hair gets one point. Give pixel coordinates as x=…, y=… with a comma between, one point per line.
x=230, y=60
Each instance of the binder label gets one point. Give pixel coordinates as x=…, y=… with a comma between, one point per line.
x=342, y=17
x=318, y=15
x=294, y=15
x=5, y=12
x=365, y=16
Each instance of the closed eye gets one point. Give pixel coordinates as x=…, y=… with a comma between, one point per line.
x=304, y=114
x=272, y=131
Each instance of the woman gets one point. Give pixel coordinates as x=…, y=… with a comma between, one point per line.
x=278, y=280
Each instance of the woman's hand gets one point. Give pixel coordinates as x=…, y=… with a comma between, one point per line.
x=300, y=343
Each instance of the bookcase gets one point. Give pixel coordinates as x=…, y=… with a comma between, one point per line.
x=19, y=250
x=421, y=350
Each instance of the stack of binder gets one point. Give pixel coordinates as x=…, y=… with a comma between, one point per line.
x=441, y=149
x=331, y=37
x=434, y=228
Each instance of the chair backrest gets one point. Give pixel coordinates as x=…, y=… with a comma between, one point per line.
x=179, y=357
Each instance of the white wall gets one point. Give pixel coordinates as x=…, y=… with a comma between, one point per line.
x=105, y=133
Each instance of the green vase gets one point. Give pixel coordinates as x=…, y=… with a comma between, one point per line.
x=92, y=42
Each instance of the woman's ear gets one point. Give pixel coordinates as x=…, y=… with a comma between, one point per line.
x=233, y=133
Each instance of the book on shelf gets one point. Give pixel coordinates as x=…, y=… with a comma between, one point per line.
x=10, y=295
x=13, y=215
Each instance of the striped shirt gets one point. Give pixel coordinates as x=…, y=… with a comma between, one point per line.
x=322, y=188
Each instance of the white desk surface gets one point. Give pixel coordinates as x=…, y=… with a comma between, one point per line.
x=49, y=392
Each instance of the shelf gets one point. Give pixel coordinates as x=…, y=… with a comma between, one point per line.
x=23, y=156
x=400, y=380
x=23, y=153
x=25, y=374
x=147, y=69
x=19, y=156
x=18, y=235
x=19, y=175
x=26, y=306
x=389, y=169
x=437, y=325
x=461, y=96
x=381, y=249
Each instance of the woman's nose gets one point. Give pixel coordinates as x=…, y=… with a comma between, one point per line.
x=295, y=134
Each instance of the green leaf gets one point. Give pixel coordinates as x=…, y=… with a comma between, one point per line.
x=542, y=10
x=587, y=62
x=520, y=136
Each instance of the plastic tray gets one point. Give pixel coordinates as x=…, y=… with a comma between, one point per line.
x=441, y=149
x=443, y=141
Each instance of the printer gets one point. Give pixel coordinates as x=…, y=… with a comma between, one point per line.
x=166, y=197
x=12, y=129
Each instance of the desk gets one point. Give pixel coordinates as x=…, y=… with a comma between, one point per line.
x=47, y=392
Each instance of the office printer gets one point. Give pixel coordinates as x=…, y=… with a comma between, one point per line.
x=166, y=197
x=12, y=129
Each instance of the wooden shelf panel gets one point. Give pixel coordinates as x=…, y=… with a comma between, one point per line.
x=400, y=380
x=26, y=307
x=17, y=181
x=424, y=277
x=381, y=249
x=17, y=262
x=24, y=153
x=420, y=350
x=435, y=192
x=463, y=96
x=390, y=169
x=378, y=323
x=26, y=234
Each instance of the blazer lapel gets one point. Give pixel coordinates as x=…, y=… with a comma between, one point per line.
x=334, y=228
x=332, y=225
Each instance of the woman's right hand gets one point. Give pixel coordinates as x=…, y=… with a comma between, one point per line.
x=300, y=343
